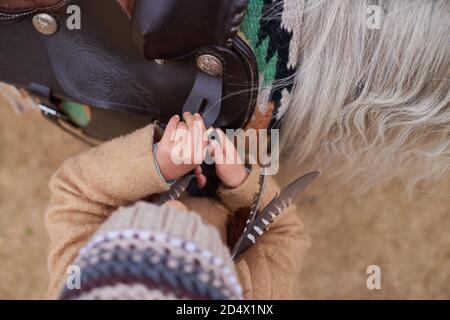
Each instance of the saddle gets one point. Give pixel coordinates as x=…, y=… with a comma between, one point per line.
x=130, y=62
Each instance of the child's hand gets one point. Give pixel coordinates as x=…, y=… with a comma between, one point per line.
x=182, y=147
x=229, y=166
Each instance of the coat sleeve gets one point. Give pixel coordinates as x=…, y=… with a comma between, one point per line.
x=269, y=269
x=88, y=187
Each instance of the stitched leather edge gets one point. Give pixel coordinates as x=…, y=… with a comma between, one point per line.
x=8, y=14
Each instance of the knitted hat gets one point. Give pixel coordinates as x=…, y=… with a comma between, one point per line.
x=151, y=252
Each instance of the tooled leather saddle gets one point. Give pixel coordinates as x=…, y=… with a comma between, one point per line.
x=131, y=62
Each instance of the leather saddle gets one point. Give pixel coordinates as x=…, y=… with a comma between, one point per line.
x=131, y=67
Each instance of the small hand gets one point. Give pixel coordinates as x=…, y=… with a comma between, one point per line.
x=200, y=177
x=229, y=166
x=182, y=147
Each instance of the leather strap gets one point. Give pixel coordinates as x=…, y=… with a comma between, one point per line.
x=205, y=97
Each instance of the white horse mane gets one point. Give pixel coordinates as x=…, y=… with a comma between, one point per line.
x=372, y=103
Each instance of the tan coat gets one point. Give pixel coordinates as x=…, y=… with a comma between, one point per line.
x=90, y=186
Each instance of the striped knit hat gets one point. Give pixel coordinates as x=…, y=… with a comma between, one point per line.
x=151, y=252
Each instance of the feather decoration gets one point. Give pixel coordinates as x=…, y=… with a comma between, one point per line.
x=175, y=190
x=280, y=202
x=257, y=199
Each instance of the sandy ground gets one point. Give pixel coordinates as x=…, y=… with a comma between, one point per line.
x=409, y=241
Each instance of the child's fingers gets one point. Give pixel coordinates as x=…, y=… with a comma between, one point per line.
x=226, y=144
x=216, y=151
x=189, y=119
x=229, y=151
x=201, y=179
x=212, y=148
x=198, y=170
x=182, y=130
x=171, y=127
x=195, y=124
x=196, y=129
x=199, y=118
x=181, y=134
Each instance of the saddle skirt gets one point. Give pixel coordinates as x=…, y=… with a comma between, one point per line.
x=131, y=62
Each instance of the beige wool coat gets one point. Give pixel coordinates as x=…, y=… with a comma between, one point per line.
x=89, y=187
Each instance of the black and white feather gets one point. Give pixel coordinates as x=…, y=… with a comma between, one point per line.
x=261, y=223
x=256, y=200
x=176, y=190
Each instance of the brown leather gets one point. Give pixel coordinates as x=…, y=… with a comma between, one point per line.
x=23, y=5
x=101, y=66
x=169, y=29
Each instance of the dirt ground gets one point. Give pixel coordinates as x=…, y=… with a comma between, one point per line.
x=409, y=241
